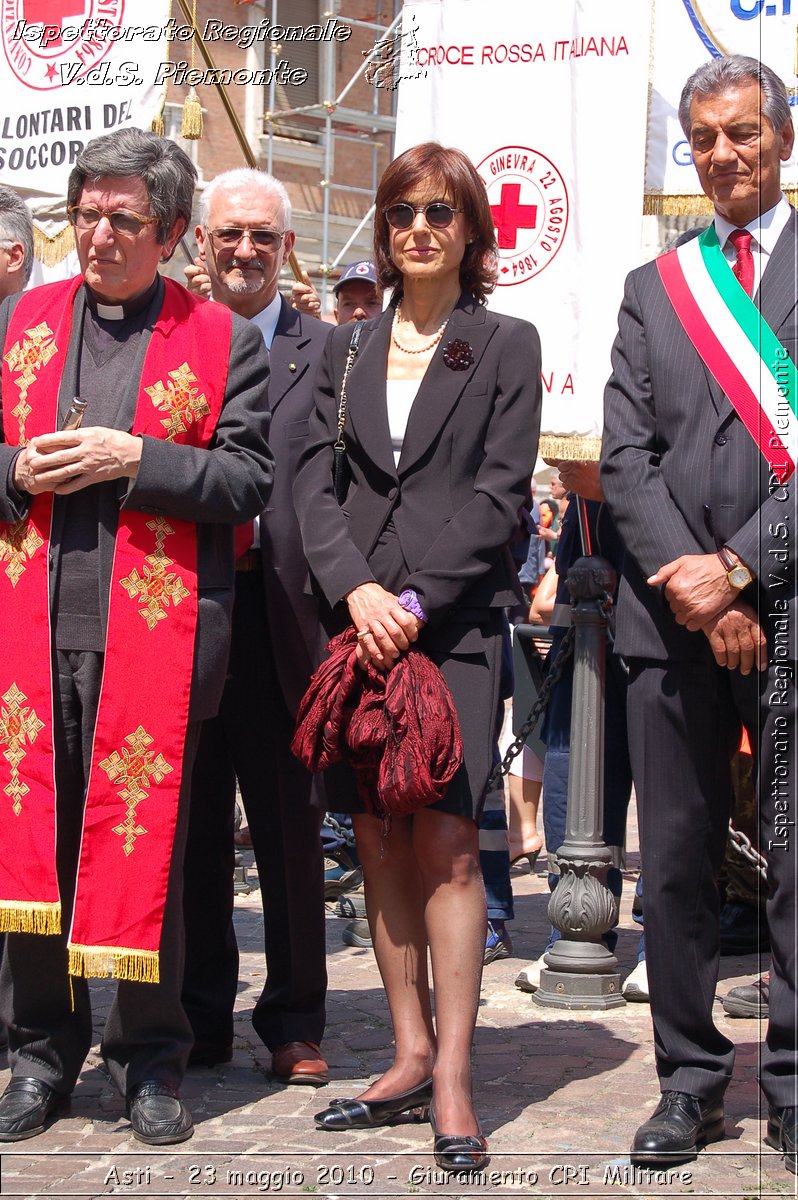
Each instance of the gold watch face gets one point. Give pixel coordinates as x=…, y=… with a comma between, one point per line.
x=739, y=576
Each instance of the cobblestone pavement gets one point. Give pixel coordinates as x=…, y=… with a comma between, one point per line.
x=560, y=1095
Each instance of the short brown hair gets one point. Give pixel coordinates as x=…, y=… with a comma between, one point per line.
x=449, y=170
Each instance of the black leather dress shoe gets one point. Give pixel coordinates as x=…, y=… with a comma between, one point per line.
x=157, y=1114
x=678, y=1127
x=365, y=1114
x=781, y=1134
x=459, y=1152
x=26, y=1108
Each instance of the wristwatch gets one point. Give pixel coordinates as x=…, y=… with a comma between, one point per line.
x=737, y=573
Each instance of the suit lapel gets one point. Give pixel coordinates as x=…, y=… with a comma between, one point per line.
x=776, y=296
x=441, y=387
x=289, y=354
x=367, y=405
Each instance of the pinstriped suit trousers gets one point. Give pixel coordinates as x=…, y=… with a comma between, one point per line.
x=684, y=725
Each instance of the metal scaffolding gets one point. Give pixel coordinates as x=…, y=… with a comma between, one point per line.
x=336, y=122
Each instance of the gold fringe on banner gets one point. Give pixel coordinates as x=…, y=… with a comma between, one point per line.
x=35, y=916
x=53, y=250
x=570, y=447
x=657, y=205
x=115, y=962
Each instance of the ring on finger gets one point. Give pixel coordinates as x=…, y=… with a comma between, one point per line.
x=361, y=633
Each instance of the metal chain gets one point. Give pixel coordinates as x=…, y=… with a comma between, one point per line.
x=538, y=708
x=747, y=850
x=340, y=831
x=741, y=844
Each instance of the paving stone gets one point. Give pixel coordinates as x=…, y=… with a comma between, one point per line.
x=554, y=1090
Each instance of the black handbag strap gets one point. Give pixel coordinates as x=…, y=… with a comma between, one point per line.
x=350, y=358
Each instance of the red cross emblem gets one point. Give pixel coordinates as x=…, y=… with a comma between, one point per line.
x=41, y=12
x=510, y=215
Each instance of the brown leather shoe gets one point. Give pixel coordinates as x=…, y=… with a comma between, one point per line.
x=300, y=1062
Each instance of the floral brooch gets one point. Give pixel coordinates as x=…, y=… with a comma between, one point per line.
x=458, y=355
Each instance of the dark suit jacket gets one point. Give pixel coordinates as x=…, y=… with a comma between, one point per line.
x=467, y=456
x=681, y=472
x=293, y=614
x=217, y=488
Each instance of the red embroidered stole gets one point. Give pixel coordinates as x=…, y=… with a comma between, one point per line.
x=137, y=758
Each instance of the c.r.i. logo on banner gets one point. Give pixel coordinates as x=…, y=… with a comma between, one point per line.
x=49, y=42
x=529, y=202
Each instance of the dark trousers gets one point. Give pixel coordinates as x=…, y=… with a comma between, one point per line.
x=249, y=740
x=684, y=726
x=147, y=1035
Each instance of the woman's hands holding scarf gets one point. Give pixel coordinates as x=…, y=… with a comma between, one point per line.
x=383, y=627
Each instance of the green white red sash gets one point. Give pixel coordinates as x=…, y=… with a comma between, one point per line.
x=137, y=758
x=738, y=347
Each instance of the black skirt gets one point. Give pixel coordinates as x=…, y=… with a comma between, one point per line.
x=467, y=650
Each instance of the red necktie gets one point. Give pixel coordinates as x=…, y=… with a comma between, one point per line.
x=744, y=263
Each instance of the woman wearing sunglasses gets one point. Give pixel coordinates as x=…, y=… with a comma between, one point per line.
x=441, y=434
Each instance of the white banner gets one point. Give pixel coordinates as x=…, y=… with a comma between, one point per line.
x=72, y=70
x=686, y=34
x=549, y=102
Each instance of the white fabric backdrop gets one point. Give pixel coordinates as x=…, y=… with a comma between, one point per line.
x=549, y=101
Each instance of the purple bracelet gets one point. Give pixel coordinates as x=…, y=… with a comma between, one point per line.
x=409, y=600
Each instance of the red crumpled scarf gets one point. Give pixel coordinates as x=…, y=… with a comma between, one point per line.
x=398, y=730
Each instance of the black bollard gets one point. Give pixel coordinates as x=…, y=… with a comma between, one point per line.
x=580, y=971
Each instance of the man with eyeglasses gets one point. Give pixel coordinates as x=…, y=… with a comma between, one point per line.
x=244, y=238
x=134, y=437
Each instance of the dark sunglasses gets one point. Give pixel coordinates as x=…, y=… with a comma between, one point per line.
x=438, y=214
x=230, y=237
x=128, y=223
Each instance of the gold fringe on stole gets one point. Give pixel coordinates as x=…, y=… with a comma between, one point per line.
x=35, y=916
x=191, y=124
x=570, y=447
x=114, y=962
x=53, y=250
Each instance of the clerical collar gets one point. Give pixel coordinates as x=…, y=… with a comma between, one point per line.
x=121, y=312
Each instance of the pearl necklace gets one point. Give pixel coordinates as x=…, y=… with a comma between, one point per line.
x=421, y=349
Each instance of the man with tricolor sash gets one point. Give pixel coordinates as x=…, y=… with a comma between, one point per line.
x=698, y=464
x=134, y=437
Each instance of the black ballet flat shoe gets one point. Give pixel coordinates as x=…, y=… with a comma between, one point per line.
x=365, y=1114
x=459, y=1153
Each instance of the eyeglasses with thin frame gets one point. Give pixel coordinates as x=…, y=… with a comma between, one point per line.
x=438, y=214
x=130, y=224
x=230, y=237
